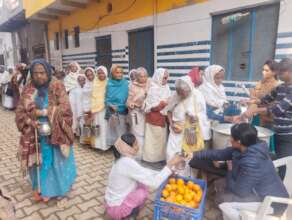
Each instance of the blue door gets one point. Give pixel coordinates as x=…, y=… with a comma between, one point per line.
x=243, y=40
x=141, y=49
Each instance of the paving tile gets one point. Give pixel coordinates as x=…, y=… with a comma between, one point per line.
x=84, y=201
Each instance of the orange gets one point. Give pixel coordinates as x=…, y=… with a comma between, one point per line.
x=180, y=182
x=190, y=184
x=183, y=203
x=181, y=190
x=165, y=193
x=168, y=187
x=172, y=194
x=178, y=198
x=187, y=197
x=174, y=187
x=196, y=187
x=162, y=199
x=199, y=195
x=172, y=181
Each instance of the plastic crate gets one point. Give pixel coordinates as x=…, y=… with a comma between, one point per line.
x=165, y=210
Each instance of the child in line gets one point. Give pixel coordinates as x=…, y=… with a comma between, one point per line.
x=281, y=109
x=128, y=181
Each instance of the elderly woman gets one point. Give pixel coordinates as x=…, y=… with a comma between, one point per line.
x=115, y=100
x=45, y=101
x=183, y=121
x=98, y=108
x=156, y=128
x=218, y=107
x=70, y=80
x=200, y=105
x=87, y=119
x=137, y=94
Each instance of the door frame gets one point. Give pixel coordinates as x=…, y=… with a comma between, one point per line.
x=141, y=29
x=252, y=9
x=103, y=37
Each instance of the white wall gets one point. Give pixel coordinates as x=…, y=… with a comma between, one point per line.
x=187, y=24
x=6, y=48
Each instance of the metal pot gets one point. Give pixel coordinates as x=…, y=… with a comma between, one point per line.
x=45, y=129
x=221, y=135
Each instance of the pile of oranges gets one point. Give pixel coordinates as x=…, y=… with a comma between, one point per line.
x=186, y=194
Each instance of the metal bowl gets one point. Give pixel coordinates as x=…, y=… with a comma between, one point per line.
x=221, y=135
x=44, y=129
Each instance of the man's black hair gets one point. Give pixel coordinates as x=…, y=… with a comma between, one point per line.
x=245, y=133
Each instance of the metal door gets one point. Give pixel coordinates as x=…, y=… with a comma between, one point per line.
x=104, y=51
x=243, y=44
x=141, y=49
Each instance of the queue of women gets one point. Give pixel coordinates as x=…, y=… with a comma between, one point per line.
x=140, y=120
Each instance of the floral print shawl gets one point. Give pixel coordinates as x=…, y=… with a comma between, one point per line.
x=59, y=115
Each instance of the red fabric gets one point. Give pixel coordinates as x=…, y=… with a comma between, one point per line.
x=195, y=76
x=155, y=117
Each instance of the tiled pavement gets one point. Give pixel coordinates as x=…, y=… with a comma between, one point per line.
x=85, y=200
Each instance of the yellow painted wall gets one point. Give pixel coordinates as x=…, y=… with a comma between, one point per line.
x=95, y=14
x=33, y=6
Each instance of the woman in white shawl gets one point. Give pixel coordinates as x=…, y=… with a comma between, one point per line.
x=156, y=128
x=87, y=118
x=98, y=108
x=214, y=93
x=7, y=91
x=180, y=108
x=75, y=99
x=135, y=103
x=70, y=80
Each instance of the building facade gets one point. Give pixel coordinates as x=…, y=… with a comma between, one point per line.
x=174, y=34
x=6, y=50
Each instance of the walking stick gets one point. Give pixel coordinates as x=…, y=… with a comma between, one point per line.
x=37, y=159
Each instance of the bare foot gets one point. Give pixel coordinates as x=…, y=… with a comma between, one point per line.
x=37, y=196
x=45, y=199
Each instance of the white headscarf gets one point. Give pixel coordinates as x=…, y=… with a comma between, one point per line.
x=214, y=94
x=157, y=92
x=103, y=68
x=70, y=80
x=87, y=91
x=180, y=107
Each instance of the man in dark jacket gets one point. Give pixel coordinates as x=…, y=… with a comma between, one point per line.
x=251, y=174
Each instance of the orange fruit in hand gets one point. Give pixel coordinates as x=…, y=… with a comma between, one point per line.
x=168, y=187
x=172, y=181
x=180, y=182
x=165, y=193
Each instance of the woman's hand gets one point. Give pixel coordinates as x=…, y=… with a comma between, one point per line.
x=35, y=124
x=228, y=119
x=237, y=119
x=131, y=106
x=175, y=128
x=250, y=112
x=174, y=161
x=113, y=107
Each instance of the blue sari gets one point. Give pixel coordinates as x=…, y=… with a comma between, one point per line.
x=57, y=173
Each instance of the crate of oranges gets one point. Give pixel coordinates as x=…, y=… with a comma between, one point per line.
x=180, y=198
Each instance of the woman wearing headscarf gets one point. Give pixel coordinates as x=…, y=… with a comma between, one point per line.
x=75, y=98
x=117, y=90
x=218, y=108
x=184, y=134
x=70, y=80
x=7, y=91
x=87, y=118
x=137, y=95
x=45, y=101
x=129, y=182
x=132, y=75
x=98, y=108
x=155, y=128
x=200, y=105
